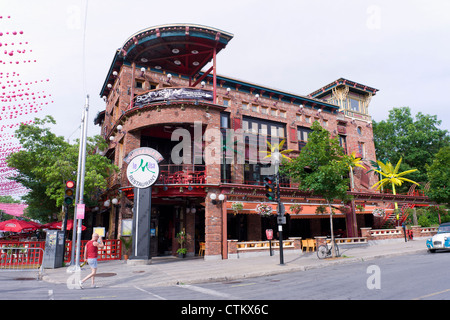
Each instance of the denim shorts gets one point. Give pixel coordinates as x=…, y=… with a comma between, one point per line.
x=92, y=263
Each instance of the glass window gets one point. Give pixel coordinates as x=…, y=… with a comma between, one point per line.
x=263, y=129
x=226, y=102
x=264, y=110
x=273, y=131
x=244, y=106
x=273, y=112
x=245, y=125
x=283, y=114
x=224, y=120
x=254, y=108
x=254, y=127
x=354, y=105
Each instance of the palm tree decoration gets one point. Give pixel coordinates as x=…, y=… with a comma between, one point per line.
x=392, y=176
x=275, y=151
x=354, y=162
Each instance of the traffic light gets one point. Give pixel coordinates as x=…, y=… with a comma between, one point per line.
x=269, y=184
x=69, y=192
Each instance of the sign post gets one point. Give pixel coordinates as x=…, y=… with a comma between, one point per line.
x=269, y=236
x=142, y=173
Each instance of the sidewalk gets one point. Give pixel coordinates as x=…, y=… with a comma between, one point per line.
x=165, y=271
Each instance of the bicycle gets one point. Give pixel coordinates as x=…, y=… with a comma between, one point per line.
x=324, y=251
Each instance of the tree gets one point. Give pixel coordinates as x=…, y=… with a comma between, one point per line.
x=439, y=177
x=47, y=161
x=415, y=140
x=322, y=169
x=392, y=176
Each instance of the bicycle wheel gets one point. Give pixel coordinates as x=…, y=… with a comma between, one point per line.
x=322, y=252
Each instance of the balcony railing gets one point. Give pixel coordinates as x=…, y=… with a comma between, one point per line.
x=181, y=174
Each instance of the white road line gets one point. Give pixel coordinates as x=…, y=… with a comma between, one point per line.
x=207, y=291
x=50, y=295
x=150, y=293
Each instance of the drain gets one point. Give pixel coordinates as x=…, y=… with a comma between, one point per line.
x=21, y=279
x=105, y=274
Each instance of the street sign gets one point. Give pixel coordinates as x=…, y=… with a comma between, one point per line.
x=80, y=210
x=281, y=219
x=269, y=234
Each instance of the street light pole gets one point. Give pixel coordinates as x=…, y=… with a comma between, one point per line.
x=82, y=174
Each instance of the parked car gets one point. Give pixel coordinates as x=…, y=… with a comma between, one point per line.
x=441, y=240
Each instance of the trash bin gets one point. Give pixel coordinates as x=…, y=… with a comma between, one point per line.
x=54, y=249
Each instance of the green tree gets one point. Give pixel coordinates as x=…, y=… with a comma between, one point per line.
x=47, y=161
x=438, y=173
x=321, y=168
x=414, y=139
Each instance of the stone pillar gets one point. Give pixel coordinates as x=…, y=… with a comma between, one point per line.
x=213, y=228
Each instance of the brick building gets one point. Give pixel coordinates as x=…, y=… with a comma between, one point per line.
x=157, y=96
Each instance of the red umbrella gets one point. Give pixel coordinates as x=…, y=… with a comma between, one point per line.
x=59, y=225
x=15, y=225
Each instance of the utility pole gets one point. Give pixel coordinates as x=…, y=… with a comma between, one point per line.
x=280, y=216
x=81, y=175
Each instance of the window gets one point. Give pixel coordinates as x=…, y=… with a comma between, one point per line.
x=224, y=120
x=254, y=108
x=226, y=102
x=361, y=149
x=283, y=114
x=273, y=112
x=325, y=123
x=302, y=136
x=139, y=84
x=359, y=130
x=264, y=110
x=343, y=143
x=264, y=127
x=307, y=119
x=244, y=106
x=354, y=105
x=299, y=117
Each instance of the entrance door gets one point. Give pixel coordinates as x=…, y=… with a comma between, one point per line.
x=162, y=230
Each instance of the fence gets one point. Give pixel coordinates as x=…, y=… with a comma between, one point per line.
x=111, y=251
x=28, y=255
x=22, y=256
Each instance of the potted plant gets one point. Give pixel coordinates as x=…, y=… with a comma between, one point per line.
x=237, y=206
x=181, y=238
x=296, y=208
x=126, y=242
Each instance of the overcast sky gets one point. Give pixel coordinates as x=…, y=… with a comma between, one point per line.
x=401, y=48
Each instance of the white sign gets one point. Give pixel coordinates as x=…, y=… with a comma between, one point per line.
x=80, y=210
x=143, y=171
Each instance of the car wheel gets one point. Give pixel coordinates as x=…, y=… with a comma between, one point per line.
x=432, y=250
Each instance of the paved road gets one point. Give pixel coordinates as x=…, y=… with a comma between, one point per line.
x=421, y=276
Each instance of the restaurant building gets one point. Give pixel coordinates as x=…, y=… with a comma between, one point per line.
x=162, y=92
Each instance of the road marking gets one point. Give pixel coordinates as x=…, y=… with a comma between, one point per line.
x=432, y=294
x=50, y=295
x=150, y=293
x=98, y=297
x=207, y=291
x=243, y=284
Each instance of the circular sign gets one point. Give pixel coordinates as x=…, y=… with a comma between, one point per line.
x=143, y=171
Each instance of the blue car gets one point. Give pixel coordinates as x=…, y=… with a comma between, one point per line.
x=441, y=240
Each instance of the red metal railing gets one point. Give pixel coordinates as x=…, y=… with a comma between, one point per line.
x=111, y=251
x=182, y=174
x=20, y=253
x=14, y=253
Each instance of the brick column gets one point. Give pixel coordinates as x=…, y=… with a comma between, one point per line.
x=213, y=228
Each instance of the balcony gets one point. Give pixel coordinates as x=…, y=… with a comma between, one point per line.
x=172, y=174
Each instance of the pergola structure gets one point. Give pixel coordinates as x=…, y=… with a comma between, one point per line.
x=183, y=49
